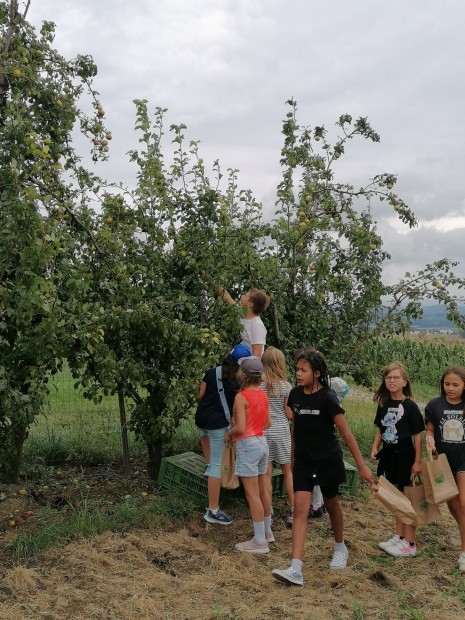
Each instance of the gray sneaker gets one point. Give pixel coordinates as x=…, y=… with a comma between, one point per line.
x=221, y=518
x=339, y=559
x=289, y=576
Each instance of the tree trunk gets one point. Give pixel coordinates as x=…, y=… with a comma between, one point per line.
x=155, y=452
x=11, y=474
x=124, y=432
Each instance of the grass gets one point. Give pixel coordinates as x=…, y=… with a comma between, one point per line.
x=80, y=431
x=90, y=518
x=76, y=430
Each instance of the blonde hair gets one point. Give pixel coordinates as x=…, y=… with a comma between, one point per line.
x=274, y=369
x=382, y=394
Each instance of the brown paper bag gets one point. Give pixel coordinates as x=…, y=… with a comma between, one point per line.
x=395, y=501
x=426, y=513
x=229, y=480
x=438, y=479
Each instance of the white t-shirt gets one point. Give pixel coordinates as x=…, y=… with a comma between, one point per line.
x=254, y=332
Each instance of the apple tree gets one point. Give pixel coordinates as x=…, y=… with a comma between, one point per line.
x=153, y=321
x=40, y=181
x=324, y=265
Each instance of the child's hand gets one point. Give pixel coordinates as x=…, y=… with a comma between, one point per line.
x=366, y=474
x=416, y=469
x=430, y=445
x=373, y=456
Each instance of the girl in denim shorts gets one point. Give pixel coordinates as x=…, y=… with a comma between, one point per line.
x=251, y=417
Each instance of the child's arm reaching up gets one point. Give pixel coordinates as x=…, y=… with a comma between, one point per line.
x=226, y=296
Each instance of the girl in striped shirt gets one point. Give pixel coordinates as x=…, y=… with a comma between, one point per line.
x=278, y=436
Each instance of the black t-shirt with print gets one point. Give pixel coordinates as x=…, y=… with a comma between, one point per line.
x=399, y=420
x=314, y=429
x=449, y=429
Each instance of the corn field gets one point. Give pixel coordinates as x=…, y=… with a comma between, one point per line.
x=425, y=359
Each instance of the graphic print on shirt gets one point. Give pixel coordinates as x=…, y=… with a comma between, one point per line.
x=451, y=427
x=300, y=411
x=393, y=415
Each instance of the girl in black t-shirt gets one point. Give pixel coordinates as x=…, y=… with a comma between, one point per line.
x=400, y=425
x=445, y=433
x=317, y=459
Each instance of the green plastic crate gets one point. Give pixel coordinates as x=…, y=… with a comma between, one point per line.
x=352, y=477
x=184, y=473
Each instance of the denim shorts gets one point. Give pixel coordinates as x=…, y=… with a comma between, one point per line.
x=216, y=437
x=251, y=456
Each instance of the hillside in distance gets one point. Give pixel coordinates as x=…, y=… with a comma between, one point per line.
x=434, y=318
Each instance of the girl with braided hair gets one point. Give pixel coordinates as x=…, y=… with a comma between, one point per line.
x=317, y=459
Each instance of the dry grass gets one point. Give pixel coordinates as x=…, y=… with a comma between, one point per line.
x=195, y=573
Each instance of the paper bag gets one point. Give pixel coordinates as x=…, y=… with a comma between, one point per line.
x=426, y=513
x=395, y=501
x=438, y=479
x=229, y=480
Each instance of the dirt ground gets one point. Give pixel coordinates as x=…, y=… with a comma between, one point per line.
x=193, y=572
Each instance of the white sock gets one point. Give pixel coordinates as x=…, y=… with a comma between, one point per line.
x=259, y=532
x=317, y=498
x=340, y=546
x=267, y=524
x=296, y=566
x=214, y=510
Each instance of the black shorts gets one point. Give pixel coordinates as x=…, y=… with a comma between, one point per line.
x=328, y=475
x=459, y=469
x=396, y=462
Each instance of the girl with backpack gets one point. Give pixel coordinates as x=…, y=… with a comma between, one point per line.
x=216, y=395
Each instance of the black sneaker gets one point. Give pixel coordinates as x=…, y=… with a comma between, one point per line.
x=315, y=513
x=221, y=518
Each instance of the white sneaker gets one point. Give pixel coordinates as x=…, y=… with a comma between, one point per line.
x=339, y=558
x=288, y=576
x=462, y=562
x=269, y=537
x=389, y=543
x=403, y=550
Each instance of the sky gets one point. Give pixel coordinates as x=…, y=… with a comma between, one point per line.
x=225, y=68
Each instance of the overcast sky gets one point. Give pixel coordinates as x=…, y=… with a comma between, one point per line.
x=226, y=67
